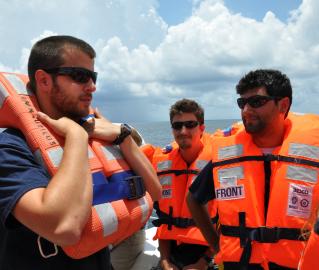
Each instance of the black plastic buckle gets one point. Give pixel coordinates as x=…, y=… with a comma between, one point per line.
x=136, y=186
x=266, y=235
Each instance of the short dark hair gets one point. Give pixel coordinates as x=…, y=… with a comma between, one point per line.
x=49, y=53
x=187, y=106
x=276, y=83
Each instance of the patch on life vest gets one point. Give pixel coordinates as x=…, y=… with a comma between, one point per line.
x=167, y=193
x=230, y=151
x=229, y=176
x=230, y=193
x=299, y=200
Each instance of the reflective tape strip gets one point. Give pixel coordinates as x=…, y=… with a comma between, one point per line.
x=3, y=94
x=112, y=152
x=302, y=174
x=230, y=175
x=18, y=85
x=303, y=150
x=230, y=151
x=166, y=180
x=38, y=158
x=90, y=153
x=200, y=164
x=164, y=165
x=108, y=218
x=145, y=208
x=55, y=155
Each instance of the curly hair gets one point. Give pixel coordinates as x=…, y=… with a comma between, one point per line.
x=276, y=83
x=187, y=106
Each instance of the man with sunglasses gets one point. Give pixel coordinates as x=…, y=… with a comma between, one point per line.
x=262, y=179
x=34, y=204
x=181, y=244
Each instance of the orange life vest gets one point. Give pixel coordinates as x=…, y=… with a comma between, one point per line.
x=175, y=221
x=113, y=217
x=309, y=256
x=264, y=200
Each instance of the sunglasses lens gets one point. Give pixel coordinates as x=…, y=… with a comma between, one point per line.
x=83, y=76
x=190, y=124
x=177, y=125
x=78, y=74
x=254, y=101
x=187, y=124
x=241, y=102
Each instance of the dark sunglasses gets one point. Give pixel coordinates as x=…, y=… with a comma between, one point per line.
x=187, y=124
x=77, y=74
x=255, y=101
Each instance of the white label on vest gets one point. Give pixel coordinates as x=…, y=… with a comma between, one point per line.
x=230, y=193
x=227, y=181
x=299, y=200
x=167, y=193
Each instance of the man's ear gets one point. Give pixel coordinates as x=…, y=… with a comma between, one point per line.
x=43, y=80
x=284, y=104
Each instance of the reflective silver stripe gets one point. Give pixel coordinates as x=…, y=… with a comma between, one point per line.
x=145, y=208
x=165, y=180
x=230, y=175
x=90, y=153
x=164, y=165
x=38, y=158
x=200, y=164
x=303, y=150
x=108, y=218
x=18, y=84
x=112, y=152
x=230, y=151
x=3, y=94
x=302, y=174
x=55, y=155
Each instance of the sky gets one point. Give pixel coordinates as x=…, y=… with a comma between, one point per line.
x=150, y=53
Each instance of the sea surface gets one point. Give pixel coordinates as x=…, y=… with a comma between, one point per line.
x=160, y=133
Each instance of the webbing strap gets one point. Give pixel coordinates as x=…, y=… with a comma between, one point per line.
x=268, y=157
x=178, y=172
x=123, y=185
x=267, y=171
x=179, y=222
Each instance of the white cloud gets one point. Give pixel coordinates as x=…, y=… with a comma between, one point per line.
x=145, y=66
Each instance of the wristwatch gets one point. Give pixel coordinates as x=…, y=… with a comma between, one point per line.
x=126, y=130
x=209, y=260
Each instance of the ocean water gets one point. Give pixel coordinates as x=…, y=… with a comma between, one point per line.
x=160, y=133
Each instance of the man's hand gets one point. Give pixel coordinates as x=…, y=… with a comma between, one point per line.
x=166, y=265
x=62, y=126
x=104, y=129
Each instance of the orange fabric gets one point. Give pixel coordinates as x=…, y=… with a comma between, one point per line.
x=18, y=110
x=175, y=189
x=301, y=130
x=309, y=257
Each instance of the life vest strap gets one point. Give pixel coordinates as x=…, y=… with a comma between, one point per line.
x=131, y=188
x=268, y=157
x=178, y=172
x=178, y=222
x=263, y=234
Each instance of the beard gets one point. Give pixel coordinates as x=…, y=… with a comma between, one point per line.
x=254, y=127
x=184, y=142
x=65, y=105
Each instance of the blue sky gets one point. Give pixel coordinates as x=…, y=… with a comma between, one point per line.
x=151, y=53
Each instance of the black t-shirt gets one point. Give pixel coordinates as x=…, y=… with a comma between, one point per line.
x=202, y=188
x=19, y=173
